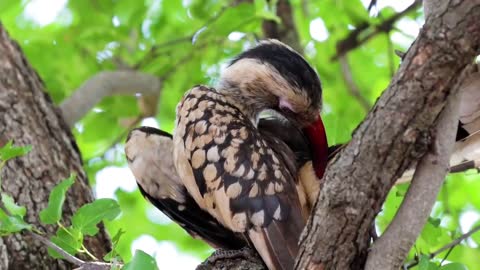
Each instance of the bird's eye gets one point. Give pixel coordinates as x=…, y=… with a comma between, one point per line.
x=285, y=106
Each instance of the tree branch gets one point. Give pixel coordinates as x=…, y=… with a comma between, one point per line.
x=104, y=84
x=395, y=134
x=353, y=40
x=82, y=265
x=448, y=246
x=351, y=85
x=390, y=250
x=72, y=259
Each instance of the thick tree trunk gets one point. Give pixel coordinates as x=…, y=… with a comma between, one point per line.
x=396, y=133
x=28, y=117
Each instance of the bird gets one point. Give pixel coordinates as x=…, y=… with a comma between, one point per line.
x=149, y=153
x=247, y=181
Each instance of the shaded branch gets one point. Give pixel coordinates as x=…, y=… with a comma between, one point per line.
x=356, y=38
x=395, y=134
x=388, y=252
x=104, y=84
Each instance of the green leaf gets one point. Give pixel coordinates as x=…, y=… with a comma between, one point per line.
x=13, y=208
x=69, y=239
x=53, y=213
x=89, y=215
x=426, y=264
x=454, y=266
x=113, y=253
x=434, y=221
x=8, y=151
x=431, y=234
x=141, y=260
x=12, y=224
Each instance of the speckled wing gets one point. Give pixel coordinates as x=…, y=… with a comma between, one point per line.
x=238, y=176
x=149, y=155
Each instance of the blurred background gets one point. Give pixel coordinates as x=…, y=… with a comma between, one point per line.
x=178, y=44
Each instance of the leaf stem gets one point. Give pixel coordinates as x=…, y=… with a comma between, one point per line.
x=88, y=253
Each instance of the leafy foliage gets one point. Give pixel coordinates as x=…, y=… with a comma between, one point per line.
x=11, y=214
x=84, y=221
x=89, y=215
x=186, y=43
x=53, y=213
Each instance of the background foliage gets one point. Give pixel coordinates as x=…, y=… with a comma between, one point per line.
x=187, y=43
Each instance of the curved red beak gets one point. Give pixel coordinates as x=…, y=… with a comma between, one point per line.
x=318, y=140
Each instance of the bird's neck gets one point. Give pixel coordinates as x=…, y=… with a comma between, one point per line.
x=251, y=102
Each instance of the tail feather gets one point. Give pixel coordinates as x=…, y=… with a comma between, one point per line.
x=277, y=243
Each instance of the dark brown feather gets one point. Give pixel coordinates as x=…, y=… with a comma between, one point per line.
x=160, y=185
x=246, y=181
x=197, y=222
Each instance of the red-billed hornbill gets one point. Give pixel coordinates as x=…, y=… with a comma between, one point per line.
x=241, y=178
x=149, y=155
x=247, y=181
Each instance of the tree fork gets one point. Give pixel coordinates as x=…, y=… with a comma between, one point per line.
x=396, y=132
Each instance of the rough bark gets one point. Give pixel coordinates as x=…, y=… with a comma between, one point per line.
x=396, y=133
x=28, y=117
x=246, y=259
x=388, y=252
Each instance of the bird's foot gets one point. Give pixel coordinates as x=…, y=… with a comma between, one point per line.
x=223, y=254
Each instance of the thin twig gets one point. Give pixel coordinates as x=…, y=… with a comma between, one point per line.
x=153, y=52
x=446, y=255
x=82, y=265
x=390, y=51
x=351, y=85
x=353, y=40
x=455, y=242
x=371, y=5
x=450, y=245
x=72, y=259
